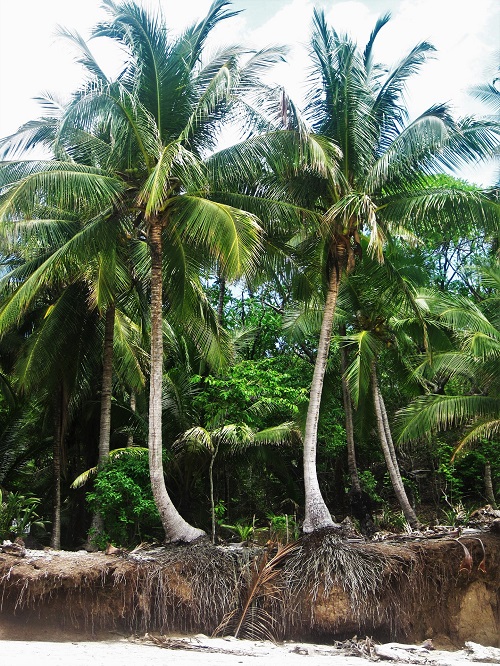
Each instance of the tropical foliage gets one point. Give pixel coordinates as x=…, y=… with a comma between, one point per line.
x=261, y=318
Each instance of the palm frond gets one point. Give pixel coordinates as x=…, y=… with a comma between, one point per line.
x=359, y=372
x=232, y=236
x=430, y=413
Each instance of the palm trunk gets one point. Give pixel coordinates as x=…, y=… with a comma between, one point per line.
x=349, y=427
x=175, y=527
x=211, y=479
x=317, y=515
x=133, y=407
x=97, y=525
x=488, y=485
x=60, y=422
x=390, y=455
x=107, y=385
x=222, y=293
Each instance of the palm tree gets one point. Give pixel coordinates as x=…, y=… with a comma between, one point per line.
x=159, y=119
x=386, y=321
x=386, y=183
x=230, y=439
x=475, y=361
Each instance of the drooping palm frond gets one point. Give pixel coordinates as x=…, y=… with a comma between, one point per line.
x=82, y=478
x=431, y=413
x=230, y=234
x=359, y=372
x=68, y=186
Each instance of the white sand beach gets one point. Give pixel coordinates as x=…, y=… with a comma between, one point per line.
x=203, y=651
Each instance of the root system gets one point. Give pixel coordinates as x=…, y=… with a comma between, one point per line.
x=320, y=587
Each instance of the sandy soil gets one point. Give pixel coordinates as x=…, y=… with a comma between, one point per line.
x=201, y=651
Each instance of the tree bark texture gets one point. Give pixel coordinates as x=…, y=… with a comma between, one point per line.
x=133, y=407
x=97, y=525
x=349, y=426
x=60, y=424
x=211, y=480
x=488, y=486
x=317, y=515
x=107, y=385
x=222, y=294
x=175, y=527
x=390, y=454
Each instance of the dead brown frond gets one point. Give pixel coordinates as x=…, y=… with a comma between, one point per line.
x=258, y=587
x=466, y=563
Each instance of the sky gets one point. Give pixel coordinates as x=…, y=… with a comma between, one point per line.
x=466, y=33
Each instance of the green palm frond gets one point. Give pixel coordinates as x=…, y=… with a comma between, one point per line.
x=85, y=58
x=231, y=235
x=407, y=153
x=387, y=110
x=359, y=372
x=481, y=430
x=424, y=209
x=82, y=478
x=68, y=186
x=430, y=413
x=216, y=93
x=282, y=434
x=488, y=94
x=130, y=358
x=175, y=165
x=60, y=267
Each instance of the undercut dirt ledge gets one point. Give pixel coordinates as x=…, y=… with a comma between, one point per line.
x=319, y=588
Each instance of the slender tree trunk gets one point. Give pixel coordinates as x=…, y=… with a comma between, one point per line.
x=488, y=486
x=222, y=293
x=107, y=385
x=175, y=527
x=317, y=515
x=389, y=455
x=133, y=407
x=97, y=525
x=60, y=422
x=349, y=427
x=211, y=479
x=388, y=434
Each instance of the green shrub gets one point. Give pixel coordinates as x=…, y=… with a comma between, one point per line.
x=122, y=495
x=18, y=514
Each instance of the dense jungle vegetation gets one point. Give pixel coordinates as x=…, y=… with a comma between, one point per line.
x=253, y=341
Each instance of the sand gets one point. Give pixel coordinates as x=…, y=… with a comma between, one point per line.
x=202, y=651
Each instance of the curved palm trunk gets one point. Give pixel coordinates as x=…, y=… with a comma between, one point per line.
x=176, y=528
x=317, y=515
x=97, y=526
x=390, y=454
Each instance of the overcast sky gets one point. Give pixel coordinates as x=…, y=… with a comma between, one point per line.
x=466, y=34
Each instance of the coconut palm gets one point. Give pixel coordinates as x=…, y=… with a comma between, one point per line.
x=475, y=361
x=158, y=120
x=387, y=164
x=385, y=321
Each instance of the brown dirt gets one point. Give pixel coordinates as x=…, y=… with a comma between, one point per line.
x=419, y=593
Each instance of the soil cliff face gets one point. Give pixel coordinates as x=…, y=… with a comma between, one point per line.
x=321, y=588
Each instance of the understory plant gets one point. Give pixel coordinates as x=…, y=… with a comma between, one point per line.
x=18, y=514
x=122, y=495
